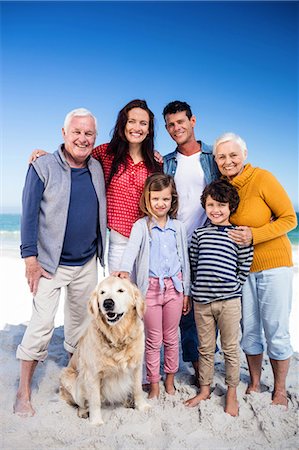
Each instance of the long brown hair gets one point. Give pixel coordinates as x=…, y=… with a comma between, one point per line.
x=118, y=147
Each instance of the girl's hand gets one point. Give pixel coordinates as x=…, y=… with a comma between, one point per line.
x=158, y=157
x=36, y=154
x=121, y=274
x=186, y=305
x=241, y=235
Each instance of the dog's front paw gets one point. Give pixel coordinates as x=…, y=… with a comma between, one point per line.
x=142, y=405
x=95, y=418
x=83, y=413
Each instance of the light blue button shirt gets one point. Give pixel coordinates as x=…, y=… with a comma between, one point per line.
x=164, y=258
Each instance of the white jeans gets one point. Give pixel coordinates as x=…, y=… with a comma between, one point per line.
x=79, y=282
x=117, y=245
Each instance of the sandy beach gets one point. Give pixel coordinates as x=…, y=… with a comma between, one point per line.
x=167, y=425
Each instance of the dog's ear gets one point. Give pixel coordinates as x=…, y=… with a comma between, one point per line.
x=93, y=306
x=139, y=302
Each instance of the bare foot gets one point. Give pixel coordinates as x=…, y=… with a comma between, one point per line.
x=203, y=395
x=280, y=398
x=253, y=388
x=22, y=407
x=154, y=390
x=231, y=402
x=170, y=389
x=169, y=384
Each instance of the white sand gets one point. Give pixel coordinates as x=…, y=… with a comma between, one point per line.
x=168, y=425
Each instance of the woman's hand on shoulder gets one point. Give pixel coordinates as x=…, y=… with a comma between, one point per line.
x=241, y=235
x=36, y=154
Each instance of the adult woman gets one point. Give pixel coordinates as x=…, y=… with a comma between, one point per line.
x=127, y=161
x=268, y=214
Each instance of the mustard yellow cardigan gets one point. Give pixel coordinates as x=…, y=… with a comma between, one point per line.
x=261, y=198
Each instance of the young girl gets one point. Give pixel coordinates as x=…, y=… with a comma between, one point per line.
x=158, y=245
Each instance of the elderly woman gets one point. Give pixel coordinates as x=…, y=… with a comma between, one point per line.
x=264, y=216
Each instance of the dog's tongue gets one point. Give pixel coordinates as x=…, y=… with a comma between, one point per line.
x=111, y=315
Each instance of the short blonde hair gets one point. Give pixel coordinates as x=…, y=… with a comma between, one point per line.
x=158, y=182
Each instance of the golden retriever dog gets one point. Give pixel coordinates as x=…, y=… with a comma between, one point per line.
x=107, y=364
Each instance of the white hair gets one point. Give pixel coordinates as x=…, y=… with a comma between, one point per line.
x=79, y=112
x=230, y=137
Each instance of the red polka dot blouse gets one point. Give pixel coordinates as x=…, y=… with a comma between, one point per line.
x=124, y=191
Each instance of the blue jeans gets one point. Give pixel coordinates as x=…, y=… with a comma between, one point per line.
x=266, y=307
x=189, y=339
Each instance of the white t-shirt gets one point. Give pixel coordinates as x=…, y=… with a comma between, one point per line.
x=190, y=182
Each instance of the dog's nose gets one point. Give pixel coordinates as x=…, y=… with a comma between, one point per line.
x=108, y=304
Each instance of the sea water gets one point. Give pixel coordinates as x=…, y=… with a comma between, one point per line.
x=10, y=234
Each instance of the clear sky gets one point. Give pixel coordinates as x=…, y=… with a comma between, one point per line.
x=235, y=63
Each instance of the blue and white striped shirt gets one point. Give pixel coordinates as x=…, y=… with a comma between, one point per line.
x=219, y=266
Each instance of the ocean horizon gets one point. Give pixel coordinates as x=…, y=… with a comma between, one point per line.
x=10, y=231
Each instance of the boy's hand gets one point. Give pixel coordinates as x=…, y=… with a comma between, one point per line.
x=186, y=305
x=121, y=274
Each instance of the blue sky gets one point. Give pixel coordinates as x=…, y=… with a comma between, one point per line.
x=235, y=63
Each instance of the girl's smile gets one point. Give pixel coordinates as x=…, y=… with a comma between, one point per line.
x=160, y=202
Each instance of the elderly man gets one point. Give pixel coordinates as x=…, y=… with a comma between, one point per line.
x=63, y=231
x=193, y=167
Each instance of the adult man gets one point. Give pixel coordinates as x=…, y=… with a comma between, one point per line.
x=193, y=167
x=63, y=230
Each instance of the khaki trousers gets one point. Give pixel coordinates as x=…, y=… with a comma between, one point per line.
x=226, y=315
x=79, y=282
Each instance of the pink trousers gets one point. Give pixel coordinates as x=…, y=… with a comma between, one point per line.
x=161, y=321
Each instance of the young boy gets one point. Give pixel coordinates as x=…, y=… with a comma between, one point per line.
x=219, y=269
